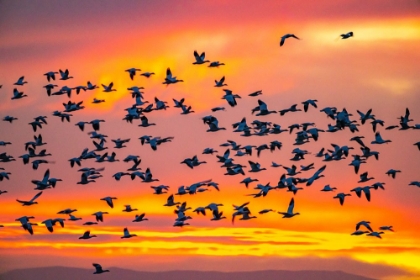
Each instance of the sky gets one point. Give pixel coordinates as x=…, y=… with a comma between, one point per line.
x=375, y=69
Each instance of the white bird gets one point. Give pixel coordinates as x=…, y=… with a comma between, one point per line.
x=4, y=175
x=262, y=108
x=109, y=87
x=415, y=183
x=200, y=210
x=91, y=86
x=230, y=98
x=161, y=189
x=178, y=104
x=284, y=37
x=241, y=210
x=375, y=234
x=28, y=227
x=87, y=235
x=20, y=81
x=50, y=75
x=264, y=211
x=309, y=102
x=255, y=167
x=289, y=213
x=73, y=218
x=99, y=269
x=119, y=143
x=109, y=201
x=346, y=35
x=127, y=234
x=171, y=201
x=215, y=64
x=147, y=74
x=44, y=183
x=145, y=122
x=217, y=216
x=97, y=101
x=180, y=224
x=386, y=228
x=255, y=93
x=215, y=109
x=214, y=126
x=327, y=188
x=132, y=72
x=247, y=181
x=99, y=216
x=50, y=87
x=364, y=177
x=30, y=202
x=49, y=223
x=360, y=232
x=341, y=197
x=170, y=79
x=199, y=59
x=213, y=206
x=65, y=75
x=366, y=224
x=221, y=82
x=119, y=175
x=140, y=218
x=379, y=140
x=67, y=211
x=129, y=209
x=17, y=95
x=246, y=216
x=316, y=176
x=392, y=173
x=192, y=162
x=9, y=119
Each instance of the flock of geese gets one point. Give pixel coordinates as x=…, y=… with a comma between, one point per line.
x=291, y=180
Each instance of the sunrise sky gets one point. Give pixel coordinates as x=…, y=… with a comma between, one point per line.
x=97, y=40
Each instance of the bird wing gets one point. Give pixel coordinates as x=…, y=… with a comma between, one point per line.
x=97, y=266
x=341, y=200
x=282, y=41
x=46, y=176
x=168, y=73
x=35, y=197
x=367, y=193
x=291, y=206
x=320, y=171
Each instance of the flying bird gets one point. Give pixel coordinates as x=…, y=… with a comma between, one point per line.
x=98, y=269
x=30, y=202
x=286, y=36
x=346, y=35
x=289, y=213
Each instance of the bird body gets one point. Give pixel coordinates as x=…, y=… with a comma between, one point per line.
x=87, y=235
x=346, y=35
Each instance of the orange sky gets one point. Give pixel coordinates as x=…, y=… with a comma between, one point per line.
x=375, y=69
